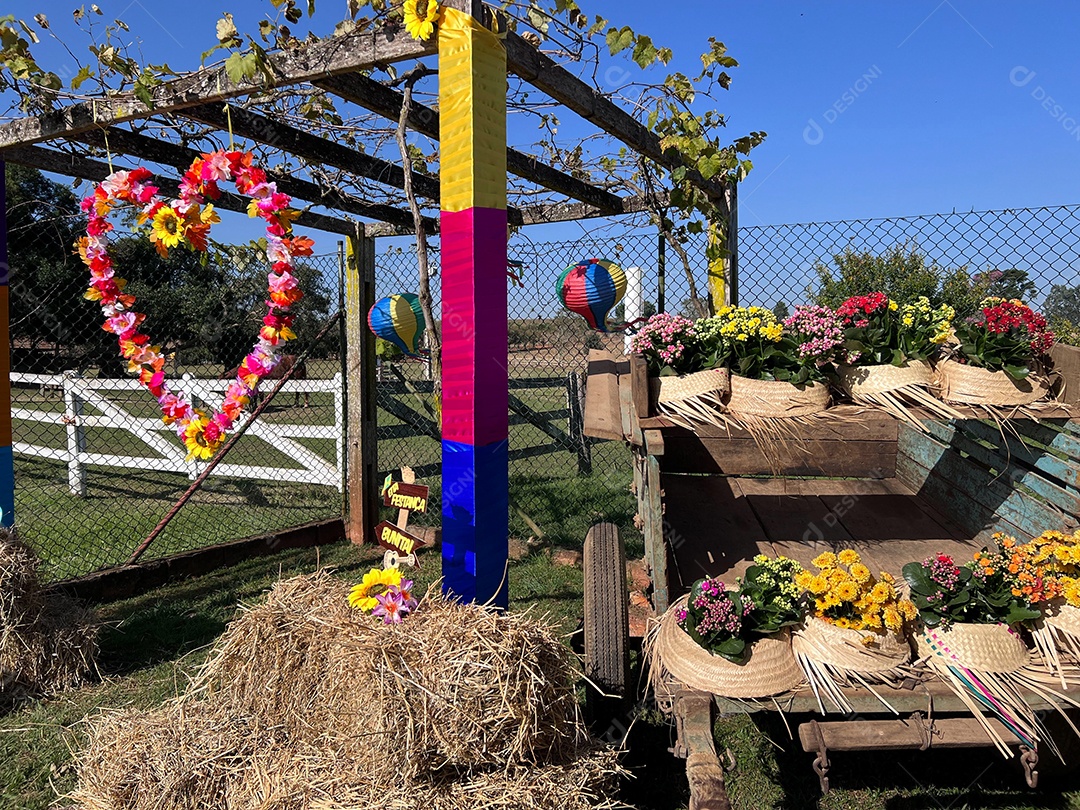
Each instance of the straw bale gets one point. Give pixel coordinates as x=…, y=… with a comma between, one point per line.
x=48, y=642
x=305, y=703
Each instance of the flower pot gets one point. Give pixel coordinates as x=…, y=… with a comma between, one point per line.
x=690, y=398
x=773, y=399
x=857, y=381
x=842, y=648
x=983, y=647
x=969, y=385
x=768, y=668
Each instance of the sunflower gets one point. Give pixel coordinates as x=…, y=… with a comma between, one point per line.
x=166, y=229
x=376, y=581
x=420, y=20
x=199, y=446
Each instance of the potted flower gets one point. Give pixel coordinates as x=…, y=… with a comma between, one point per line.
x=998, y=357
x=855, y=621
x=970, y=612
x=770, y=377
x=734, y=641
x=887, y=352
x=687, y=382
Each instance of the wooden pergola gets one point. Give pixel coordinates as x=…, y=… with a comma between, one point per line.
x=471, y=191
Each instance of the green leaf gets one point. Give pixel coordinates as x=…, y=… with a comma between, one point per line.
x=916, y=577
x=1017, y=372
x=619, y=39
x=84, y=73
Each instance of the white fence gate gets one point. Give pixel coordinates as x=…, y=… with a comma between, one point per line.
x=166, y=453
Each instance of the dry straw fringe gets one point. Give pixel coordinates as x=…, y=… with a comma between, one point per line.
x=895, y=389
x=834, y=659
x=992, y=672
x=305, y=703
x=1057, y=641
x=691, y=399
x=48, y=641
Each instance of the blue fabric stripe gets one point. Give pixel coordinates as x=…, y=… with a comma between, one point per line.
x=474, y=540
x=7, y=486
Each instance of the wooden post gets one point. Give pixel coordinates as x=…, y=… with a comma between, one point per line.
x=360, y=394
x=76, y=435
x=575, y=405
x=7, y=463
x=475, y=393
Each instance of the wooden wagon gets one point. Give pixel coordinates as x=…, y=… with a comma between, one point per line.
x=709, y=500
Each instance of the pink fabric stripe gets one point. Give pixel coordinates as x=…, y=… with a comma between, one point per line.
x=475, y=403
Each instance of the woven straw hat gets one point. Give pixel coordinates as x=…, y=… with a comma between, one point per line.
x=771, y=398
x=769, y=669
x=979, y=386
x=984, y=647
x=675, y=389
x=842, y=648
x=869, y=380
x=1062, y=616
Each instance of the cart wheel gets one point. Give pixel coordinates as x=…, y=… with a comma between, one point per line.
x=607, y=601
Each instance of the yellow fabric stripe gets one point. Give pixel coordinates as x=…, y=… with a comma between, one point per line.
x=719, y=293
x=472, y=111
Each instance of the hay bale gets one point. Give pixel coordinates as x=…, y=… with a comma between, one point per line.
x=48, y=642
x=305, y=703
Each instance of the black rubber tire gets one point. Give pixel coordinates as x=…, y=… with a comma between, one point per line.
x=607, y=605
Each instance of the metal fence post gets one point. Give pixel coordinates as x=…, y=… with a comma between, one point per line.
x=635, y=307
x=575, y=406
x=76, y=434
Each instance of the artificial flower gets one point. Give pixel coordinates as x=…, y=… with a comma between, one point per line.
x=420, y=17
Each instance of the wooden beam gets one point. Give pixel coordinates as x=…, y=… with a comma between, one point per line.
x=261, y=129
x=382, y=100
x=361, y=404
x=172, y=154
x=51, y=160
x=535, y=215
x=327, y=57
x=542, y=72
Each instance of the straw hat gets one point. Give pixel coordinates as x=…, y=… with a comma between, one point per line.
x=842, y=648
x=674, y=389
x=979, y=386
x=769, y=668
x=869, y=380
x=1062, y=616
x=773, y=398
x=983, y=647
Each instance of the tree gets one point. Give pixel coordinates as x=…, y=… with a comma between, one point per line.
x=1063, y=302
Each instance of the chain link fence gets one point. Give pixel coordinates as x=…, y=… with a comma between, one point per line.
x=95, y=470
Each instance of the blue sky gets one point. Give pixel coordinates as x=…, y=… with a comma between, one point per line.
x=872, y=109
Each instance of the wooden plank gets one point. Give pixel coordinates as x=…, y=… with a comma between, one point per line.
x=705, y=775
x=180, y=157
x=639, y=385
x=903, y=734
x=602, y=418
x=990, y=489
x=325, y=57
x=1025, y=450
x=70, y=165
x=518, y=406
x=686, y=453
x=1067, y=366
x=710, y=528
x=1015, y=474
x=790, y=515
x=843, y=422
x=361, y=406
x=387, y=102
x=128, y=580
x=654, y=527
x=1059, y=435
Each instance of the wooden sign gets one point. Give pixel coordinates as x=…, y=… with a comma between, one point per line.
x=413, y=497
x=397, y=539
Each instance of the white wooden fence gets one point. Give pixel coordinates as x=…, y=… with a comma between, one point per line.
x=167, y=454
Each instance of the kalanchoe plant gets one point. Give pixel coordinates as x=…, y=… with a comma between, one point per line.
x=724, y=620
x=752, y=342
x=1004, y=336
x=817, y=331
x=924, y=328
x=946, y=593
x=671, y=346
x=871, y=331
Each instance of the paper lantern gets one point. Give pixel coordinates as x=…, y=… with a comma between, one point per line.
x=592, y=288
x=398, y=319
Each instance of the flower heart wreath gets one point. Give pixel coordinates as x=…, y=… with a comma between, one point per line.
x=186, y=221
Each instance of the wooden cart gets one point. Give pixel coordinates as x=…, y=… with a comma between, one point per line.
x=709, y=500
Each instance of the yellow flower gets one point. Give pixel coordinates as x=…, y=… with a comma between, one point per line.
x=195, y=440
x=892, y=305
x=848, y=556
x=893, y=619
x=818, y=585
x=880, y=593
x=824, y=560
x=803, y=580
x=842, y=623
x=375, y=581
x=167, y=228
x=847, y=591
x=860, y=573
x=421, y=24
